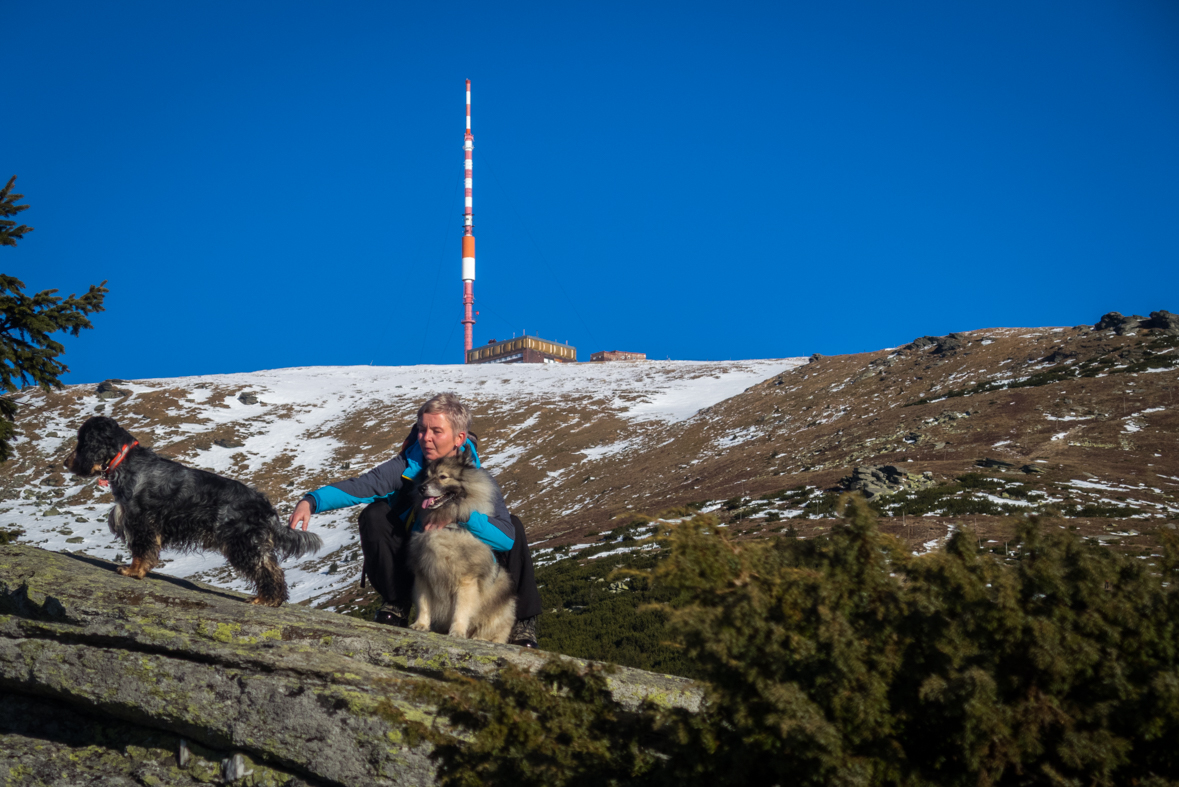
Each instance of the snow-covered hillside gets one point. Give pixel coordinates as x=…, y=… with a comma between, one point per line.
x=545, y=427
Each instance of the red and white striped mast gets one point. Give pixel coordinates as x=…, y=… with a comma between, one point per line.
x=468, y=236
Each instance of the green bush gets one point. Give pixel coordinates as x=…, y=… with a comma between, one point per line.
x=1101, y=510
x=848, y=661
x=583, y=618
x=978, y=481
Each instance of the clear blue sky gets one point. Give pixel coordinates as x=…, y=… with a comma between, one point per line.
x=272, y=184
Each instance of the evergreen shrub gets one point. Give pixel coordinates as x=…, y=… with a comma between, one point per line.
x=848, y=661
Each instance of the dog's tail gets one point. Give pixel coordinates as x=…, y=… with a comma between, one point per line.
x=295, y=543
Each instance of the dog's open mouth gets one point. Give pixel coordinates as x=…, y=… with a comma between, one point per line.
x=430, y=503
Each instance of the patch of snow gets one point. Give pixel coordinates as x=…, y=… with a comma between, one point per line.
x=504, y=456
x=623, y=551
x=933, y=544
x=1093, y=485
x=1003, y=501
x=744, y=436
x=602, y=451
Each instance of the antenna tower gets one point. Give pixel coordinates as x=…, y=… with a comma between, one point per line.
x=468, y=236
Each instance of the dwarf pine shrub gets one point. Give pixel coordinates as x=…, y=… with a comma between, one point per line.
x=847, y=661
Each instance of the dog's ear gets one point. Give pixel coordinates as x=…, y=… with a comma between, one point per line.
x=467, y=456
x=99, y=440
x=111, y=431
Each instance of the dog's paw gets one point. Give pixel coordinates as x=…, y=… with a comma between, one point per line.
x=457, y=632
x=266, y=602
x=420, y=627
x=130, y=571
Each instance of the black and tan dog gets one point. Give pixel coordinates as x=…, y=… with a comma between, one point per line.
x=161, y=504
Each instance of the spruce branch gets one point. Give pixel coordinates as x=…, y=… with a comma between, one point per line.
x=10, y=232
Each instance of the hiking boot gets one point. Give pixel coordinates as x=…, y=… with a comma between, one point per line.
x=524, y=633
x=392, y=615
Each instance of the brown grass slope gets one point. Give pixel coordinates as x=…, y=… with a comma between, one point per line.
x=814, y=424
x=1095, y=407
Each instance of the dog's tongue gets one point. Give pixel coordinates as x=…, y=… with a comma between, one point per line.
x=429, y=501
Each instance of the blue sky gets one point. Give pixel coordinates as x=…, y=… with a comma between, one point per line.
x=278, y=184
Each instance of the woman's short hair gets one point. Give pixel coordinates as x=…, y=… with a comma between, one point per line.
x=450, y=406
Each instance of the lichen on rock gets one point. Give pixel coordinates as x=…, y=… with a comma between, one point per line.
x=299, y=693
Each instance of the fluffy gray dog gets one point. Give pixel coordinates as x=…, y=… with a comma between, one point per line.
x=458, y=587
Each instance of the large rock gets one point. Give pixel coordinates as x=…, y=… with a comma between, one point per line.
x=942, y=345
x=106, y=390
x=1117, y=323
x=1164, y=321
x=874, y=482
x=303, y=694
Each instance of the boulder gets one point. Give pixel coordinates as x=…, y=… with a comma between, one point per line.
x=921, y=343
x=1117, y=323
x=1164, y=322
x=1058, y=355
x=248, y=398
x=884, y=480
x=948, y=345
x=942, y=345
x=106, y=390
x=995, y=463
x=228, y=442
x=122, y=670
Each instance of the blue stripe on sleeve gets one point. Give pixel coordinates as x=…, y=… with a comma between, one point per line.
x=330, y=498
x=482, y=529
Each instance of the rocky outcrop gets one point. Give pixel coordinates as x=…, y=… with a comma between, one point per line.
x=942, y=345
x=1162, y=321
x=994, y=464
x=1159, y=321
x=884, y=480
x=1165, y=322
x=111, y=674
x=106, y=390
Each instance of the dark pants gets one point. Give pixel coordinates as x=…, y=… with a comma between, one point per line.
x=384, y=540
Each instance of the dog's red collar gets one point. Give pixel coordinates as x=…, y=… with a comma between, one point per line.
x=106, y=474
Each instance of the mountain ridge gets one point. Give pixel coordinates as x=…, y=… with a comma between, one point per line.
x=1087, y=411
